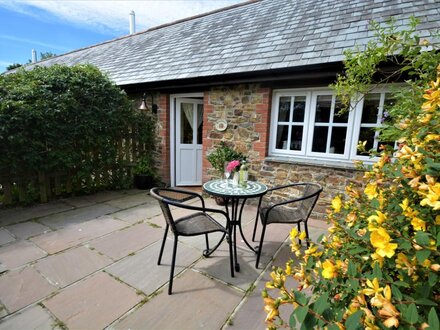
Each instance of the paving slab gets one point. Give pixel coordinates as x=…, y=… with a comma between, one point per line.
x=129, y=201
x=35, y=317
x=23, y=287
x=19, y=253
x=70, y=266
x=123, y=242
x=77, y=216
x=139, y=213
x=251, y=313
x=78, y=201
x=70, y=236
x=25, y=230
x=19, y=214
x=5, y=237
x=93, y=303
x=103, y=196
x=197, y=302
x=142, y=272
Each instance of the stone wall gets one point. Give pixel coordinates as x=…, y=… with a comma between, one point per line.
x=246, y=109
x=333, y=181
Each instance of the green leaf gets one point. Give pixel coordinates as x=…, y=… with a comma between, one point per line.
x=396, y=292
x=309, y=322
x=292, y=321
x=332, y=327
x=432, y=279
x=412, y=314
x=377, y=272
x=352, y=322
x=301, y=313
x=433, y=319
x=422, y=238
x=422, y=255
x=300, y=297
x=321, y=304
x=425, y=302
x=351, y=271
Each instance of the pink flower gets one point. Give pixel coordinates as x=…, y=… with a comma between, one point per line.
x=232, y=165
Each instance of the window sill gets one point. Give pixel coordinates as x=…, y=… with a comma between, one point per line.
x=336, y=164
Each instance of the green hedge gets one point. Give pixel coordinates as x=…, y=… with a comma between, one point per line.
x=59, y=118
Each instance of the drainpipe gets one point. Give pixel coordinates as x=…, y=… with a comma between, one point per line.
x=132, y=23
x=34, y=56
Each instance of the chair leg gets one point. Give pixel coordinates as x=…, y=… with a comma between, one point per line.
x=255, y=226
x=231, y=256
x=307, y=234
x=163, y=245
x=207, y=242
x=298, y=225
x=260, y=247
x=173, y=263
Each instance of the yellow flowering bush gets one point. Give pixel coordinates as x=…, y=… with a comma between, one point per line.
x=379, y=265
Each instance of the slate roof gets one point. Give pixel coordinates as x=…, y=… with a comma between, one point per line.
x=254, y=36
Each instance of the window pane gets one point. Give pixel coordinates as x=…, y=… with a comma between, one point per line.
x=296, y=138
x=337, y=117
x=337, y=143
x=299, y=106
x=284, y=110
x=319, y=139
x=186, y=117
x=323, y=107
x=282, y=133
x=389, y=102
x=370, y=109
x=366, y=134
x=199, y=123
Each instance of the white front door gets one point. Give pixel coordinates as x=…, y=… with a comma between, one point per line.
x=189, y=127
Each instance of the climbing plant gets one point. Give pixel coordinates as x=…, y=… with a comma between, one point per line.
x=378, y=266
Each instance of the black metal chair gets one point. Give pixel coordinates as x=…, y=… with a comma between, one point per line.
x=291, y=210
x=197, y=223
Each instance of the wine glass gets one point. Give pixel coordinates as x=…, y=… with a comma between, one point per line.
x=227, y=172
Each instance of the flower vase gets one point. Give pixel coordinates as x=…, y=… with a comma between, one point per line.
x=235, y=179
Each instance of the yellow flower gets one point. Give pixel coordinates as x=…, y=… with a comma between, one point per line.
x=303, y=235
x=329, y=270
x=418, y=224
x=371, y=190
x=432, y=197
x=381, y=241
x=270, y=308
x=351, y=219
x=293, y=234
x=379, y=217
x=373, y=288
x=337, y=204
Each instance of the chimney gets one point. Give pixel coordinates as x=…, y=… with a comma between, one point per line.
x=34, y=56
x=132, y=23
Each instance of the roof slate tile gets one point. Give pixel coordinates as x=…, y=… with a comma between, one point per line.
x=254, y=36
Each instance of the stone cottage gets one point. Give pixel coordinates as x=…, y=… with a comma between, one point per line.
x=256, y=74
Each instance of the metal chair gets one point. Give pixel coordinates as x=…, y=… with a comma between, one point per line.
x=197, y=223
x=291, y=210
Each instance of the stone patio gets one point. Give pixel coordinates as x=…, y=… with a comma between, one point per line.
x=90, y=262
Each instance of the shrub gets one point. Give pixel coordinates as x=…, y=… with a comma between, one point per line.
x=67, y=119
x=379, y=265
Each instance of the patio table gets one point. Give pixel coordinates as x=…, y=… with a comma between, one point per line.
x=236, y=196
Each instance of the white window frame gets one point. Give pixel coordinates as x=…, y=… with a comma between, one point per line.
x=274, y=122
x=382, y=91
x=330, y=125
x=353, y=127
